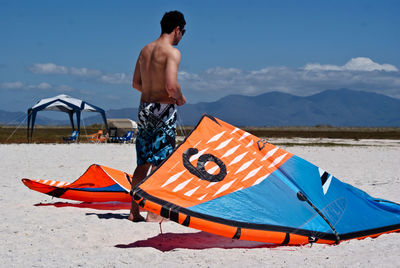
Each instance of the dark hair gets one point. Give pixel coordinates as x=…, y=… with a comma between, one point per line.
x=171, y=20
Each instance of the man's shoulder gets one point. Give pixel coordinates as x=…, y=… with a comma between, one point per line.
x=160, y=48
x=168, y=50
x=174, y=52
x=149, y=46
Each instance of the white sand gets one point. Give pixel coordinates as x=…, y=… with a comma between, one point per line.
x=94, y=236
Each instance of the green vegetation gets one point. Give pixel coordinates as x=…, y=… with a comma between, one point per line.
x=11, y=134
x=354, y=133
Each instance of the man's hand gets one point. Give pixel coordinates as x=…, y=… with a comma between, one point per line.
x=181, y=101
x=178, y=102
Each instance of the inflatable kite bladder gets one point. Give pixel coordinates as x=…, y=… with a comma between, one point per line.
x=226, y=181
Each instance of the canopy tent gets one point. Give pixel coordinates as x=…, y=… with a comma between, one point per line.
x=62, y=103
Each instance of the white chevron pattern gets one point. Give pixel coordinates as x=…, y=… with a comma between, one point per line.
x=173, y=178
x=216, y=137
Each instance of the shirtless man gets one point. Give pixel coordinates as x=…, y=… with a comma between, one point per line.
x=155, y=77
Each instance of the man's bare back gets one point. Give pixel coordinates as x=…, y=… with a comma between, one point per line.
x=156, y=72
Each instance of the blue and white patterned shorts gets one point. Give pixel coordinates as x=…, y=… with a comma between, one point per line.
x=156, y=132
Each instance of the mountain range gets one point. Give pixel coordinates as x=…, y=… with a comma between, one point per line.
x=342, y=107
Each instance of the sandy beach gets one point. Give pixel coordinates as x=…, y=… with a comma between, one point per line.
x=38, y=231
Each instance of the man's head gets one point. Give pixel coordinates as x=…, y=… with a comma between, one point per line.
x=173, y=21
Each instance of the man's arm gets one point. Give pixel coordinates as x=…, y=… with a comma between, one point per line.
x=171, y=78
x=137, y=78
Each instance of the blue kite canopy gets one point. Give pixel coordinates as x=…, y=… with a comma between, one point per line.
x=226, y=181
x=63, y=103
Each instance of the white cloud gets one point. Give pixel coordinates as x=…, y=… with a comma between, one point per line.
x=357, y=74
x=42, y=85
x=51, y=68
x=187, y=76
x=48, y=68
x=219, y=71
x=116, y=78
x=84, y=72
x=91, y=74
x=356, y=64
x=12, y=85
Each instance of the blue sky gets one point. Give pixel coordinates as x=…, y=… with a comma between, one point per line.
x=87, y=49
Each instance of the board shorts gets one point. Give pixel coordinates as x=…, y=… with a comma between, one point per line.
x=156, y=132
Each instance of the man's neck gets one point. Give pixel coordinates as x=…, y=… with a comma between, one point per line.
x=169, y=38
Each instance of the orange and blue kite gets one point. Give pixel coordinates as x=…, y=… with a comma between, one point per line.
x=226, y=181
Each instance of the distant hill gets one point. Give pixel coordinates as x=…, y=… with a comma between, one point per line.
x=11, y=118
x=342, y=107
x=114, y=113
x=19, y=118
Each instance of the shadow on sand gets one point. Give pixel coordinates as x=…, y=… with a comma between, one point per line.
x=167, y=241
x=199, y=240
x=93, y=205
x=107, y=216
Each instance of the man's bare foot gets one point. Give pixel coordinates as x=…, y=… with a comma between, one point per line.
x=139, y=219
x=136, y=219
x=152, y=217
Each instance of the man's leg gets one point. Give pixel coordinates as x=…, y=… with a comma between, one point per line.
x=151, y=216
x=139, y=174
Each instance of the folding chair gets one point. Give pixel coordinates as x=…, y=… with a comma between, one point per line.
x=71, y=138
